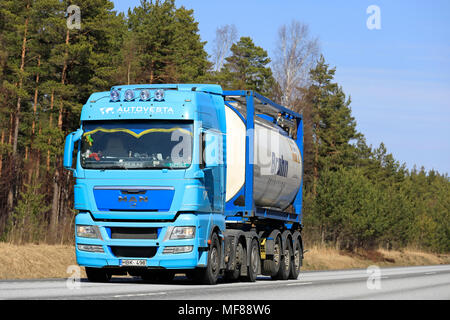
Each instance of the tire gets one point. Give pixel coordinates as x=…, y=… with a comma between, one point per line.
x=210, y=274
x=285, y=265
x=233, y=275
x=97, y=275
x=255, y=260
x=296, y=261
x=272, y=266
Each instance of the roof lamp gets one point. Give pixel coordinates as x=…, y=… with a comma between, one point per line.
x=129, y=95
x=115, y=95
x=159, y=95
x=145, y=95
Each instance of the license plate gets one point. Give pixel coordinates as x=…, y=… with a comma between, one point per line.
x=134, y=262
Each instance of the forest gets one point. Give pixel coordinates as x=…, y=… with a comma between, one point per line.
x=355, y=195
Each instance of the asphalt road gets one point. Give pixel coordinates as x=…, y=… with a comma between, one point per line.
x=425, y=282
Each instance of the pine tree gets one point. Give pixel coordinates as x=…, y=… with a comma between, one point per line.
x=47, y=72
x=332, y=126
x=247, y=68
x=166, y=42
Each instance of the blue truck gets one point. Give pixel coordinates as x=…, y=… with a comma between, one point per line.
x=187, y=178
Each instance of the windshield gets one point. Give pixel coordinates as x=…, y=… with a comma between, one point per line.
x=136, y=145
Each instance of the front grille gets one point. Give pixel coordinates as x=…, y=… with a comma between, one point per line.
x=133, y=252
x=134, y=233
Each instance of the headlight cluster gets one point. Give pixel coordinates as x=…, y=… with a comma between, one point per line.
x=180, y=233
x=92, y=232
x=144, y=95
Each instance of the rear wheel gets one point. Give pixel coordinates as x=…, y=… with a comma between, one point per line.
x=272, y=263
x=255, y=260
x=97, y=275
x=233, y=275
x=285, y=265
x=296, y=261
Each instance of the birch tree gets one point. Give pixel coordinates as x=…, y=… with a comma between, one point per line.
x=225, y=37
x=295, y=55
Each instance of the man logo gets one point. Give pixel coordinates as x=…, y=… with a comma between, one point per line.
x=132, y=200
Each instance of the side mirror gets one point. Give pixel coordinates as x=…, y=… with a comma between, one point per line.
x=68, y=148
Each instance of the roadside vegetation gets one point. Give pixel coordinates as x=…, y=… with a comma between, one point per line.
x=33, y=261
x=356, y=196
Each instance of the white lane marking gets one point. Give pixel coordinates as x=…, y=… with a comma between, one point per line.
x=139, y=294
x=430, y=272
x=298, y=283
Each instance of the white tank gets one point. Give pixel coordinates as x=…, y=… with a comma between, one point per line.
x=277, y=163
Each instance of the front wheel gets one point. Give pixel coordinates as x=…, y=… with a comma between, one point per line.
x=210, y=274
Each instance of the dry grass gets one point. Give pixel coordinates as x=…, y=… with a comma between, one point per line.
x=35, y=261
x=324, y=258
x=412, y=257
x=47, y=261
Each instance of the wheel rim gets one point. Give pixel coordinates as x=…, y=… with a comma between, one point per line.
x=214, y=260
x=276, y=254
x=287, y=259
x=254, y=259
x=239, y=255
x=297, y=257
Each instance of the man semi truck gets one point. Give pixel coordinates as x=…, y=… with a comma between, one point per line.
x=187, y=178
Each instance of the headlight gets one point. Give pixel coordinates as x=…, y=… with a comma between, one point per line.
x=179, y=233
x=92, y=232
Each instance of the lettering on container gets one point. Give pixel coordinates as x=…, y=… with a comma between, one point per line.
x=279, y=166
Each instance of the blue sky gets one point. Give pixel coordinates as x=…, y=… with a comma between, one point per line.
x=398, y=77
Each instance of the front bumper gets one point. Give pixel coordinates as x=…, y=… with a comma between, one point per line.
x=158, y=259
